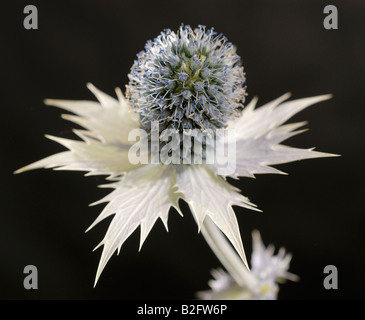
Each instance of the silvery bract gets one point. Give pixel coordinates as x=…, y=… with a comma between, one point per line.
x=184, y=80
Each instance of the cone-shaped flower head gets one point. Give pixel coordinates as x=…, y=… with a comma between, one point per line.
x=185, y=80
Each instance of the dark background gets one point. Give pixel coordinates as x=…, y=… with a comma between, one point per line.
x=316, y=212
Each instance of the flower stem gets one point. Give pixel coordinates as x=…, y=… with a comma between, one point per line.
x=237, y=268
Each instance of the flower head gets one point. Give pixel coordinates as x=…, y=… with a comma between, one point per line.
x=266, y=266
x=189, y=79
x=267, y=270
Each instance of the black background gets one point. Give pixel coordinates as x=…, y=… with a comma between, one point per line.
x=316, y=212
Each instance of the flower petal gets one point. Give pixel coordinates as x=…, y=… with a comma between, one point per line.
x=209, y=194
x=139, y=199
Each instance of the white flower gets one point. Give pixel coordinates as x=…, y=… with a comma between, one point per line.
x=267, y=270
x=205, y=65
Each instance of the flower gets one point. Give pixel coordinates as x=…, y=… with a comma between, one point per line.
x=260, y=284
x=190, y=77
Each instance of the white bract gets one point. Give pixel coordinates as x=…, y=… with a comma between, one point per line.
x=184, y=80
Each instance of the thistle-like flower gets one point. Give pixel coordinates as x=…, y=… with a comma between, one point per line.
x=267, y=271
x=190, y=79
x=182, y=81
